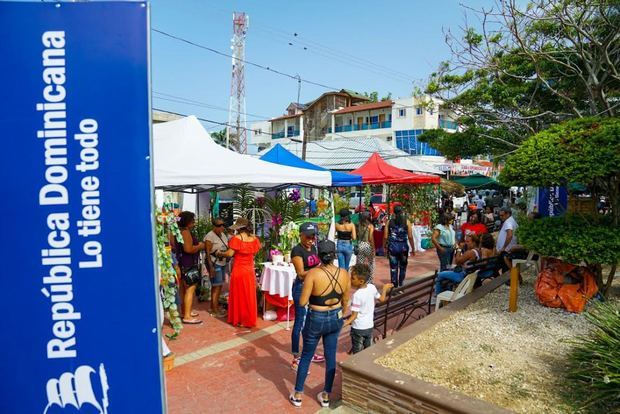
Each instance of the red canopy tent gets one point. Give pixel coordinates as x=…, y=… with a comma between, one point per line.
x=377, y=171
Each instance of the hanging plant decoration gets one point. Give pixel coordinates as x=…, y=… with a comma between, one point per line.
x=166, y=221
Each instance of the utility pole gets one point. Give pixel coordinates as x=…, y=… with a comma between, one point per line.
x=236, y=109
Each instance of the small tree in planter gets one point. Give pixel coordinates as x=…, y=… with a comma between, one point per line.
x=586, y=151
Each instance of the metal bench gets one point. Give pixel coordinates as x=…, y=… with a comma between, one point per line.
x=403, y=301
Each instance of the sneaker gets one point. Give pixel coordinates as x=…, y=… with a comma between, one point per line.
x=318, y=358
x=324, y=403
x=295, y=401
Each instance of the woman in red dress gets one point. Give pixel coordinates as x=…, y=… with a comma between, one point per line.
x=242, y=309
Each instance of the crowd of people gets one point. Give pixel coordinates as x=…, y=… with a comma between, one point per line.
x=328, y=292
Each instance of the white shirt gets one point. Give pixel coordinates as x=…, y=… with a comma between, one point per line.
x=218, y=243
x=480, y=203
x=364, y=304
x=509, y=224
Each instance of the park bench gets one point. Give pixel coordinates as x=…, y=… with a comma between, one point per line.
x=403, y=301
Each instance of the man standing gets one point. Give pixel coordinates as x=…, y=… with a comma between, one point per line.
x=312, y=208
x=217, y=241
x=506, y=239
x=304, y=257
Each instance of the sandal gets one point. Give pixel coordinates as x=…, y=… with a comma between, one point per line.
x=324, y=403
x=295, y=401
x=191, y=321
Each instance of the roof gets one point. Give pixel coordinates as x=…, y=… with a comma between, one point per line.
x=285, y=117
x=355, y=94
x=279, y=155
x=349, y=154
x=298, y=105
x=376, y=171
x=365, y=107
x=185, y=156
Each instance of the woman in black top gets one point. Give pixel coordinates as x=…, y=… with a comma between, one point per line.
x=326, y=290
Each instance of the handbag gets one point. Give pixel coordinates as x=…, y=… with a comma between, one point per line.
x=191, y=275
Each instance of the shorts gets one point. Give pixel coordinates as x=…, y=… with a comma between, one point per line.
x=218, y=278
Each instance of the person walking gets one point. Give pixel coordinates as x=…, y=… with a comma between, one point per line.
x=366, y=243
x=396, y=233
x=217, y=241
x=345, y=233
x=444, y=240
x=242, y=309
x=326, y=292
x=304, y=257
x=189, y=256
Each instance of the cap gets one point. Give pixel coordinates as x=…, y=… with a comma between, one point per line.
x=326, y=247
x=240, y=224
x=344, y=212
x=307, y=229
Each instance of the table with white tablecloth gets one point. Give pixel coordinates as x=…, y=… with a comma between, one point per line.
x=278, y=280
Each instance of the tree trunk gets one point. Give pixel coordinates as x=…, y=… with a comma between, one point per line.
x=610, y=278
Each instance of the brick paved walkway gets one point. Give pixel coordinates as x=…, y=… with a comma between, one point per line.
x=223, y=369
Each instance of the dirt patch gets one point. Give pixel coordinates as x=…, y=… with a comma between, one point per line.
x=512, y=360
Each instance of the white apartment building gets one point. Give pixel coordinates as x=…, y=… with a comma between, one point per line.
x=399, y=122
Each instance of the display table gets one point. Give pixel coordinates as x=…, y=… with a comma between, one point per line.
x=278, y=280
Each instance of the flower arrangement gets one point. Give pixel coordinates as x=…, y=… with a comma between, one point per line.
x=289, y=236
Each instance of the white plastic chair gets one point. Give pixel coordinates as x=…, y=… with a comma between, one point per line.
x=465, y=287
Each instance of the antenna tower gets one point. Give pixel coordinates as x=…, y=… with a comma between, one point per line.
x=236, y=132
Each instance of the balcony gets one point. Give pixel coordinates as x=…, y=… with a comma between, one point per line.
x=362, y=127
x=448, y=124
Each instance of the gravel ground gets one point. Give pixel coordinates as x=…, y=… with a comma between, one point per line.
x=511, y=360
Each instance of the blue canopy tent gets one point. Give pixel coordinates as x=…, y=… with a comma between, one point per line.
x=280, y=155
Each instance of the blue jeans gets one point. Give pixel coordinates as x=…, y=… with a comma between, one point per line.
x=320, y=324
x=218, y=278
x=456, y=277
x=398, y=268
x=360, y=339
x=445, y=258
x=300, y=316
x=344, y=248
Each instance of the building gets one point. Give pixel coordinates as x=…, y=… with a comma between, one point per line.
x=346, y=115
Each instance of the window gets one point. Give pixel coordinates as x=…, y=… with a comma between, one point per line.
x=402, y=113
x=418, y=111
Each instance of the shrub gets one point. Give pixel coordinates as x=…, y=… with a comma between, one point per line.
x=575, y=238
x=593, y=374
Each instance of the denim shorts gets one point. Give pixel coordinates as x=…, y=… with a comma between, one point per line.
x=218, y=278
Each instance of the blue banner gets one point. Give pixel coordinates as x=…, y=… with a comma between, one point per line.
x=79, y=307
x=552, y=201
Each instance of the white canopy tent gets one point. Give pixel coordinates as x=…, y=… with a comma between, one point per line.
x=349, y=154
x=185, y=158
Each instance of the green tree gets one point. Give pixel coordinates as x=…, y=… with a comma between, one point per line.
x=587, y=151
x=374, y=96
x=527, y=68
x=219, y=137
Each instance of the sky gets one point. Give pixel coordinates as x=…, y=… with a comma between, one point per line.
x=383, y=46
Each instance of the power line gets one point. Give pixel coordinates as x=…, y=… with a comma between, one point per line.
x=267, y=68
x=344, y=58
x=180, y=99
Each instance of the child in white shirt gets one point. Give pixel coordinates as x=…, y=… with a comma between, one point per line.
x=363, y=307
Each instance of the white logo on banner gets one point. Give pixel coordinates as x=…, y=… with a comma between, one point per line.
x=77, y=389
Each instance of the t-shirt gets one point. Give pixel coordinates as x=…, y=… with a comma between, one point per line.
x=446, y=235
x=364, y=304
x=477, y=228
x=218, y=243
x=509, y=224
x=310, y=258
